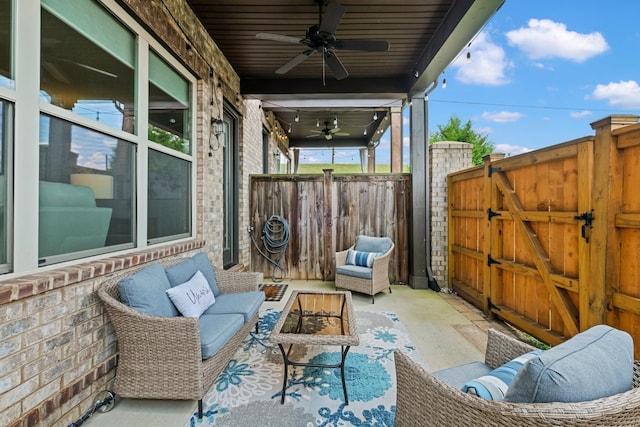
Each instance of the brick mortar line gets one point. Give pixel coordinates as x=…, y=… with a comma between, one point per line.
x=22, y=287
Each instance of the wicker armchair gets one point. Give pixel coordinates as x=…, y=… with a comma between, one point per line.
x=379, y=271
x=161, y=357
x=424, y=400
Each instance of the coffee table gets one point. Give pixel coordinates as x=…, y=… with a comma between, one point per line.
x=316, y=318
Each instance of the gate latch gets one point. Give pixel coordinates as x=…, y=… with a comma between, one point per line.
x=587, y=217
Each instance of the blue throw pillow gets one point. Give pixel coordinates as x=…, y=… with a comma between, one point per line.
x=495, y=384
x=184, y=270
x=145, y=291
x=362, y=259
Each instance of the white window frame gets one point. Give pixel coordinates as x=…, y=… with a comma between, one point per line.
x=27, y=110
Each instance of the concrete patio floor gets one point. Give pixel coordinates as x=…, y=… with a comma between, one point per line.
x=446, y=330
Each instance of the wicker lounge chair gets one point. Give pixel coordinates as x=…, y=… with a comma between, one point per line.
x=161, y=357
x=367, y=280
x=424, y=400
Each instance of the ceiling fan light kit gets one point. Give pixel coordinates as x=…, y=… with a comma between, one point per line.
x=321, y=38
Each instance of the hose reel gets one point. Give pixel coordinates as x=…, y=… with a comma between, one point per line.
x=275, y=238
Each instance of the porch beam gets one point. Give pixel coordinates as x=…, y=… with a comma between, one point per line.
x=420, y=234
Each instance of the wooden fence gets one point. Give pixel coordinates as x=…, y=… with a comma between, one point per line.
x=325, y=213
x=549, y=241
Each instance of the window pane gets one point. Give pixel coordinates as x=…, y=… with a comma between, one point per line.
x=6, y=43
x=169, y=211
x=86, y=191
x=169, y=114
x=6, y=121
x=87, y=62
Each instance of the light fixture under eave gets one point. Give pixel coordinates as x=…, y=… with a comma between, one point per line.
x=444, y=83
x=297, y=119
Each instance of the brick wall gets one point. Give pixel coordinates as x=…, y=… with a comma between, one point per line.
x=57, y=347
x=445, y=158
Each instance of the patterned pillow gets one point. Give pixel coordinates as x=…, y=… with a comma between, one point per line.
x=193, y=297
x=495, y=384
x=363, y=259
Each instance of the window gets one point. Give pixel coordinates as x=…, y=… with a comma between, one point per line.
x=6, y=43
x=230, y=187
x=86, y=191
x=169, y=118
x=6, y=121
x=169, y=197
x=87, y=61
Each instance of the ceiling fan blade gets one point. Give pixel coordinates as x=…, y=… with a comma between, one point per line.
x=335, y=65
x=331, y=18
x=341, y=134
x=295, y=61
x=278, y=38
x=366, y=45
x=334, y=130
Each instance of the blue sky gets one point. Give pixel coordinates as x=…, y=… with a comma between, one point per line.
x=540, y=72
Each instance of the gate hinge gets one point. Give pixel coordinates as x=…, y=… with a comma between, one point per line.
x=491, y=261
x=588, y=218
x=493, y=169
x=491, y=213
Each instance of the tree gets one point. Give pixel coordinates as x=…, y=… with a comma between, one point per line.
x=454, y=131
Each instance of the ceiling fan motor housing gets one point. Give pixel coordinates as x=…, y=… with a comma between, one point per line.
x=320, y=39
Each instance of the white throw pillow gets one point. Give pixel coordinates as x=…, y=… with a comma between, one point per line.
x=193, y=297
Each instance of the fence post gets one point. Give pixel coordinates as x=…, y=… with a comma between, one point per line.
x=606, y=203
x=328, y=231
x=489, y=245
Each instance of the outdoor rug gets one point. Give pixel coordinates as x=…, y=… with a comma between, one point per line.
x=247, y=393
x=273, y=291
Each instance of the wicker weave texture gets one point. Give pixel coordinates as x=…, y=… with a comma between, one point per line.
x=379, y=275
x=160, y=357
x=423, y=400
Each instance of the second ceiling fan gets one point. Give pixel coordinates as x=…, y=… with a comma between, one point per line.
x=321, y=38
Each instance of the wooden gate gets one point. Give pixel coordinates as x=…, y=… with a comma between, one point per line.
x=549, y=241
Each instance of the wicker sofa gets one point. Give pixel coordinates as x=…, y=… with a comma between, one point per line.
x=353, y=275
x=425, y=400
x=161, y=357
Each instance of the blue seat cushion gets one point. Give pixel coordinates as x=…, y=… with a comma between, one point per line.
x=145, y=291
x=372, y=244
x=216, y=330
x=245, y=303
x=355, y=271
x=593, y=364
x=458, y=376
x=184, y=270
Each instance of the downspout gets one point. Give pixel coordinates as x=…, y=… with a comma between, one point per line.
x=433, y=283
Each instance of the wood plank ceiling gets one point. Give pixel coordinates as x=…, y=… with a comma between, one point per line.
x=417, y=32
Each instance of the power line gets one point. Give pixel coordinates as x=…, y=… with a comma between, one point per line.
x=541, y=107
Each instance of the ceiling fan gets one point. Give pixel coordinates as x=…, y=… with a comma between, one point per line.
x=321, y=38
x=328, y=132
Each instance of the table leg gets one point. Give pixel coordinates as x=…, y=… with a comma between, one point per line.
x=344, y=352
x=286, y=373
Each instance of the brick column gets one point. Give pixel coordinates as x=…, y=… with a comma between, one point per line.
x=444, y=158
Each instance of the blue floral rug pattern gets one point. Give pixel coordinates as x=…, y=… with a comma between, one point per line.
x=248, y=391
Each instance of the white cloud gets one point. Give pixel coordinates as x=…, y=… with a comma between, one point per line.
x=544, y=38
x=510, y=150
x=580, y=114
x=502, y=116
x=624, y=94
x=488, y=63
